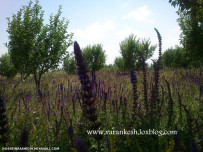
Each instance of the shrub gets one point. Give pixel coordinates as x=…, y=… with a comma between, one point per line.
x=6, y=67
x=131, y=48
x=69, y=64
x=94, y=57
x=175, y=58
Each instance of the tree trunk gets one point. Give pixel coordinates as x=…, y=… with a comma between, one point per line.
x=37, y=78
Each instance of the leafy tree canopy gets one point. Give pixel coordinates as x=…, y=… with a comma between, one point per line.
x=94, y=57
x=119, y=62
x=191, y=24
x=69, y=64
x=6, y=68
x=186, y=5
x=131, y=48
x=175, y=58
x=33, y=46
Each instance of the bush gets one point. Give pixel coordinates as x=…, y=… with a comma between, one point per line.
x=175, y=58
x=131, y=49
x=94, y=57
x=69, y=64
x=6, y=67
x=119, y=62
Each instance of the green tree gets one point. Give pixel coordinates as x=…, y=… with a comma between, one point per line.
x=69, y=64
x=191, y=24
x=94, y=57
x=175, y=58
x=35, y=47
x=119, y=62
x=131, y=48
x=6, y=67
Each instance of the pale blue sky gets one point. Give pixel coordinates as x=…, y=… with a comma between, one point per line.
x=105, y=21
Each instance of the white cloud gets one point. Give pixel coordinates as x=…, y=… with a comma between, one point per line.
x=123, y=33
x=3, y=49
x=94, y=32
x=172, y=38
x=125, y=4
x=141, y=14
x=112, y=51
x=98, y=32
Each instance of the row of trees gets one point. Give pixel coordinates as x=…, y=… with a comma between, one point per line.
x=131, y=49
x=35, y=48
x=95, y=58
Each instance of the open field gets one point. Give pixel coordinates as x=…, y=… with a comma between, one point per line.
x=120, y=90
x=53, y=116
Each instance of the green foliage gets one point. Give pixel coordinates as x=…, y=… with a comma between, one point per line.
x=186, y=5
x=34, y=47
x=6, y=67
x=69, y=64
x=94, y=57
x=191, y=23
x=42, y=123
x=110, y=67
x=175, y=58
x=131, y=48
x=119, y=62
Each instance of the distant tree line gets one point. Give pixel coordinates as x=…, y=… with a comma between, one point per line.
x=34, y=47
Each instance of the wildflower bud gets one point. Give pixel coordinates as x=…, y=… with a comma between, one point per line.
x=24, y=138
x=80, y=146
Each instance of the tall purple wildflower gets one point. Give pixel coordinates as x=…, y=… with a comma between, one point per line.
x=155, y=88
x=144, y=83
x=105, y=101
x=88, y=104
x=170, y=105
x=3, y=123
x=71, y=133
x=80, y=146
x=180, y=104
x=133, y=79
x=155, y=102
x=24, y=138
x=189, y=120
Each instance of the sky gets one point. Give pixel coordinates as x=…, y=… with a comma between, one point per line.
x=107, y=22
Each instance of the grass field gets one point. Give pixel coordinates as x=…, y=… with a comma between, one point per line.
x=54, y=115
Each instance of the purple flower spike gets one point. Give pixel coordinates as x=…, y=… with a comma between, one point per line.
x=3, y=122
x=80, y=146
x=201, y=88
x=15, y=121
x=70, y=131
x=55, y=114
x=87, y=87
x=61, y=86
x=40, y=93
x=62, y=106
x=24, y=138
